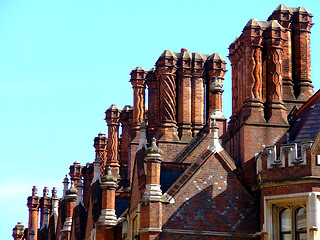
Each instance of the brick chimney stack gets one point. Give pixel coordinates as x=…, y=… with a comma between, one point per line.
x=71, y=198
x=274, y=38
x=151, y=206
x=75, y=172
x=302, y=23
x=33, y=205
x=87, y=173
x=45, y=203
x=18, y=231
x=297, y=23
x=100, y=145
x=197, y=93
x=138, y=79
x=113, y=119
x=108, y=217
x=125, y=161
x=166, y=67
x=284, y=16
x=184, y=95
x=216, y=69
x=250, y=88
x=153, y=103
x=55, y=205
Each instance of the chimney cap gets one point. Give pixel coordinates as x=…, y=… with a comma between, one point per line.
x=215, y=57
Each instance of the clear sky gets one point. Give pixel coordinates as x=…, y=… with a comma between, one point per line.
x=63, y=63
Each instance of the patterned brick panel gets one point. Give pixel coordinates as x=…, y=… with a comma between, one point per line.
x=170, y=150
x=199, y=237
x=212, y=200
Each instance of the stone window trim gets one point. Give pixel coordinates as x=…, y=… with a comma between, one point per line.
x=273, y=205
x=134, y=223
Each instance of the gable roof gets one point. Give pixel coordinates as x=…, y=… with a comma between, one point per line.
x=305, y=123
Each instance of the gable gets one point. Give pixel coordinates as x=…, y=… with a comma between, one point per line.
x=212, y=199
x=305, y=124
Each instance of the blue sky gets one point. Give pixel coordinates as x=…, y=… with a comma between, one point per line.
x=63, y=63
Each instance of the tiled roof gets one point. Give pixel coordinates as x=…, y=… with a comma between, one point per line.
x=305, y=124
x=170, y=172
x=121, y=206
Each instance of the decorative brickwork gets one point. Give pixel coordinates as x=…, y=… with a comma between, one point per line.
x=178, y=172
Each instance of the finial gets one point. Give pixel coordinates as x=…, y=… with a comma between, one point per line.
x=66, y=180
x=143, y=136
x=153, y=149
x=215, y=145
x=72, y=189
x=96, y=169
x=34, y=191
x=65, y=186
x=79, y=196
x=109, y=179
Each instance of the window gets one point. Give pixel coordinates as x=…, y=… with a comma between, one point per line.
x=301, y=223
x=293, y=224
x=285, y=224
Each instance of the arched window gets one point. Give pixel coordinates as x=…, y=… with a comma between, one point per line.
x=285, y=224
x=301, y=223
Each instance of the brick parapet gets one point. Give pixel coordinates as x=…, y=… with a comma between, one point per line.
x=283, y=163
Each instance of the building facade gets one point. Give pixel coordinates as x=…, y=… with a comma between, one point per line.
x=179, y=170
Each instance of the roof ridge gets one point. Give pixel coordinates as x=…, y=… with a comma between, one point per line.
x=307, y=104
x=192, y=145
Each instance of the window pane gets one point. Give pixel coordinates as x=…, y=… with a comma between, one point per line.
x=302, y=236
x=285, y=221
x=301, y=219
x=286, y=237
